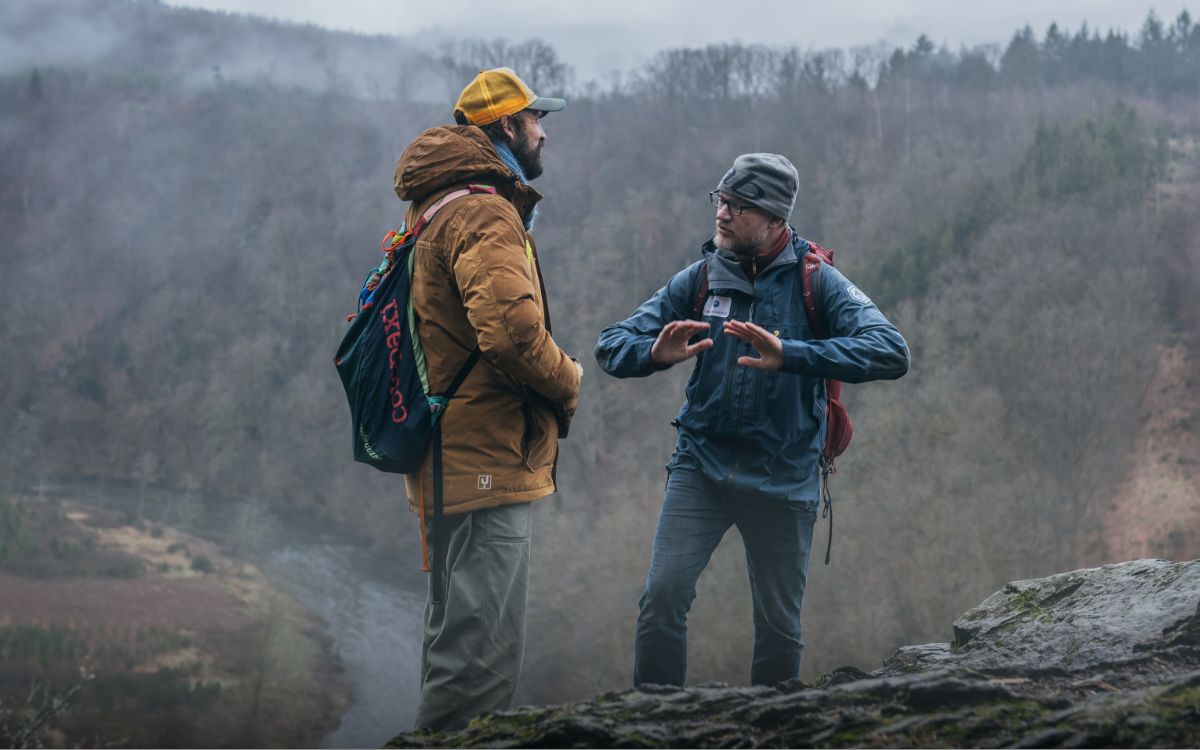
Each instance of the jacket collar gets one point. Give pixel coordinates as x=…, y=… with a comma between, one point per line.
x=724, y=271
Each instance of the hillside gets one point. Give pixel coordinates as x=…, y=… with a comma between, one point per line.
x=1155, y=509
x=119, y=632
x=182, y=247
x=194, y=49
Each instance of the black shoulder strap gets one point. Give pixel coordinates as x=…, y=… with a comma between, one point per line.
x=462, y=374
x=701, y=292
x=439, y=533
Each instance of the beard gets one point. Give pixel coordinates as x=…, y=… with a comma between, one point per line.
x=745, y=248
x=529, y=156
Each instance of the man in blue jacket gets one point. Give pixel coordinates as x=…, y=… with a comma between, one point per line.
x=752, y=424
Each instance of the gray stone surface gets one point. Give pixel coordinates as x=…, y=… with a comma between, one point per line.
x=1106, y=657
x=1068, y=621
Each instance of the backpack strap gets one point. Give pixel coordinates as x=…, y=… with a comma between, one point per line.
x=437, y=407
x=812, y=260
x=701, y=292
x=427, y=217
x=437, y=404
x=392, y=241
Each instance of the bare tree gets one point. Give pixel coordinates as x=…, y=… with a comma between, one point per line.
x=145, y=472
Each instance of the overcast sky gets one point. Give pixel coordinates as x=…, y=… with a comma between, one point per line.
x=597, y=36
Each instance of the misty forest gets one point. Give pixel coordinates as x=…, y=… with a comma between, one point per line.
x=190, y=201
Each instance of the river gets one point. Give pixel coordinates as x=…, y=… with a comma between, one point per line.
x=371, y=605
x=376, y=629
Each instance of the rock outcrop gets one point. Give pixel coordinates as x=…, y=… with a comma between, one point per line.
x=1104, y=657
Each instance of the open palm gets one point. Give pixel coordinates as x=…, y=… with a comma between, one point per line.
x=768, y=345
x=672, y=345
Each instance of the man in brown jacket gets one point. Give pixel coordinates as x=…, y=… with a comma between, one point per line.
x=477, y=282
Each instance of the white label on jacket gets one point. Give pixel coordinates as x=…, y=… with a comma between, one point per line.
x=718, y=306
x=857, y=295
x=485, y=481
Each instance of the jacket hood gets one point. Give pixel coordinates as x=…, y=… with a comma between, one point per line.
x=442, y=158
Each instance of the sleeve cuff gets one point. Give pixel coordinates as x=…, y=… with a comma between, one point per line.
x=644, y=360
x=795, y=359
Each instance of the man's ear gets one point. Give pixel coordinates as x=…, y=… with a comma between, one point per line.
x=508, y=124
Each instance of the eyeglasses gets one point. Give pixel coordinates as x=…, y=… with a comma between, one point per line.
x=737, y=209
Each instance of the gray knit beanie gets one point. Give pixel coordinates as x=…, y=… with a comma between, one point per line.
x=768, y=181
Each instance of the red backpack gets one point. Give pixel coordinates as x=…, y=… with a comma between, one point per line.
x=838, y=427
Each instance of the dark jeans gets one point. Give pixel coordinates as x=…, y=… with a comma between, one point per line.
x=777, y=537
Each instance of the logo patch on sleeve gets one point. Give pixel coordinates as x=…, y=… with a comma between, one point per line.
x=857, y=295
x=718, y=306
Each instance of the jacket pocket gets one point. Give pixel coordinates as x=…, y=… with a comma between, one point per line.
x=539, y=443
x=770, y=389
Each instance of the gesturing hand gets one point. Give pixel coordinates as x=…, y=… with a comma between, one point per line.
x=770, y=348
x=672, y=345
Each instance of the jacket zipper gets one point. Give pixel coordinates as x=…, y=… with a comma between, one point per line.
x=742, y=400
x=758, y=393
x=749, y=319
x=730, y=365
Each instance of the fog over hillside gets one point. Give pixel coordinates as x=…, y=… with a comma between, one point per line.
x=600, y=40
x=196, y=48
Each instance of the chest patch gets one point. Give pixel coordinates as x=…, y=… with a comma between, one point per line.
x=717, y=306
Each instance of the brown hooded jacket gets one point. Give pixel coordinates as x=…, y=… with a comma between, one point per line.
x=476, y=280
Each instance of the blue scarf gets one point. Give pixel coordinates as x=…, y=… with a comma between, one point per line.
x=510, y=160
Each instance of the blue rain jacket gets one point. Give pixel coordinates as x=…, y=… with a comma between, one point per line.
x=759, y=433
